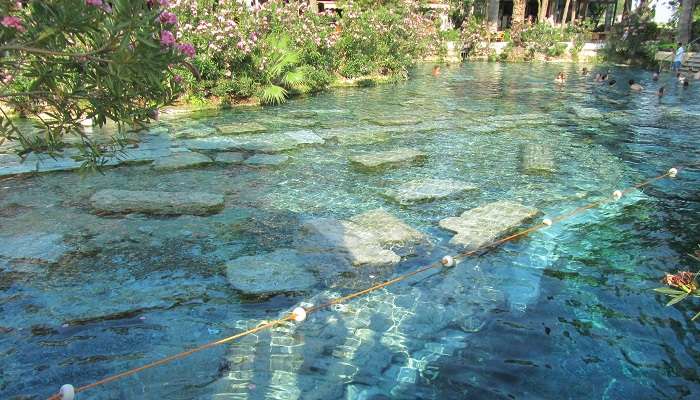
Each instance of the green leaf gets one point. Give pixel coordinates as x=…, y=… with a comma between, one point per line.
x=272, y=94
x=669, y=291
x=296, y=80
x=676, y=299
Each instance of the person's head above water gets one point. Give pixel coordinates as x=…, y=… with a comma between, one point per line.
x=631, y=82
x=686, y=83
x=660, y=92
x=604, y=77
x=584, y=71
x=612, y=82
x=436, y=70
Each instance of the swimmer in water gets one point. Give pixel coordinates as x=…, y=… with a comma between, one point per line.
x=436, y=70
x=635, y=86
x=660, y=93
x=560, y=78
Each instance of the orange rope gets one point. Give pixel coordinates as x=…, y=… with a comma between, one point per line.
x=290, y=317
x=177, y=356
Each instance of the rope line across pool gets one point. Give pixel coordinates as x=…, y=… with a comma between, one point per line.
x=299, y=314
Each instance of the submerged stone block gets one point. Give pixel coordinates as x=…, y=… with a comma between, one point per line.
x=46, y=247
x=387, y=229
x=369, y=239
x=239, y=128
x=482, y=225
x=387, y=158
x=425, y=190
x=187, y=159
x=537, y=158
x=396, y=121
x=152, y=202
x=196, y=131
x=586, y=112
x=229, y=158
x=266, y=160
x=359, y=246
x=281, y=271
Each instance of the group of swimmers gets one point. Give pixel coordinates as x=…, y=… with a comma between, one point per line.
x=634, y=86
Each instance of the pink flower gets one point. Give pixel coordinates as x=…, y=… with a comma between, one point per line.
x=187, y=49
x=177, y=78
x=166, y=17
x=94, y=3
x=12, y=22
x=167, y=38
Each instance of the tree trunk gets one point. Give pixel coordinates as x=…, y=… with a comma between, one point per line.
x=574, y=7
x=492, y=13
x=518, y=17
x=626, y=8
x=542, y=11
x=313, y=5
x=584, y=9
x=565, y=13
x=685, y=21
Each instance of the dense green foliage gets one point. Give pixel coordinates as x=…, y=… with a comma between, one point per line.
x=536, y=40
x=633, y=40
x=67, y=62
x=238, y=56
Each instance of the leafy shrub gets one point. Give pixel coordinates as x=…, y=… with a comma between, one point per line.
x=253, y=48
x=65, y=62
x=384, y=38
x=476, y=38
x=632, y=40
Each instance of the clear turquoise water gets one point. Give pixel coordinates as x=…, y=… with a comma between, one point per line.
x=565, y=313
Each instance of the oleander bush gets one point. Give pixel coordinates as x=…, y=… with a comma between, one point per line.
x=283, y=47
x=266, y=52
x=64, y=63
x=382, y=39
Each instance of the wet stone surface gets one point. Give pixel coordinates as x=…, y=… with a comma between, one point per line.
x=426, y=190
x=484, y=224
x=391, y=158
x=281, y=271
x=151, y=202
x=181, y=160
x=266, y=160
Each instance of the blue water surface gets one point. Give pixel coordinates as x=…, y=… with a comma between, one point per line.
x=566, y=313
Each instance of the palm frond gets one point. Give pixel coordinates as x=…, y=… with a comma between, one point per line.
x=297, y=80
x=272, y=94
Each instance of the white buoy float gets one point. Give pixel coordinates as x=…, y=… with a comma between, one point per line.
x=299, y=314
x=448, y=261
x=547, y=221
x=67, y=392
x=617, y=195
x=672, y=172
